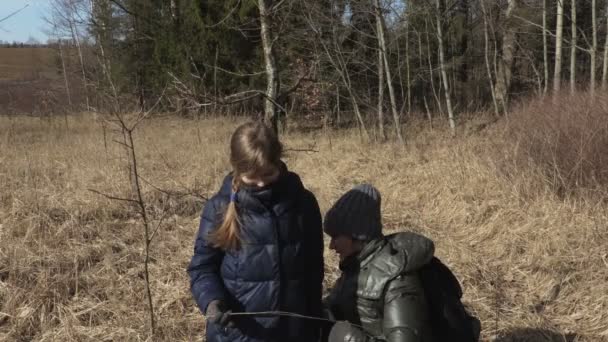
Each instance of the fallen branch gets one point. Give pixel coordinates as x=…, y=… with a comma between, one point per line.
x=115, y=198
x=302, y=150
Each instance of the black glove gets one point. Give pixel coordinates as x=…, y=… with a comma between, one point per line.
x=217, y=313
x=346, y=332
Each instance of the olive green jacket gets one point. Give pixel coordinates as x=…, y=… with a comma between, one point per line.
x=380, y=290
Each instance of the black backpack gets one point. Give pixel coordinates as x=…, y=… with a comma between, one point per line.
x=450, y=321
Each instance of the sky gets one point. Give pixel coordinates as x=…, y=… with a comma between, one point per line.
x=27, y=23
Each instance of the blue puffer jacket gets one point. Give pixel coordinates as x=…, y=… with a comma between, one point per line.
x=279, y=267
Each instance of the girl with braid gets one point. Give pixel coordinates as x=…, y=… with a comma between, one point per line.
x=259, y=247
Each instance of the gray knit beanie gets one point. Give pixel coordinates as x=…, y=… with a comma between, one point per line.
x=356, y=214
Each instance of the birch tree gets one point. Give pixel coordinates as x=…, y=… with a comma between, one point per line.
x=381, y=132
x=487, y=56
x=389, y=80
x=505, y=63
x=557, y=73
x=444, y=76
x=605, y=66
x=573, y=48
x=593, y=51
x=76, y=37
x=330, y=44
x=65, y=72
x=545, y=49
x=63, y=17
x=272, y=75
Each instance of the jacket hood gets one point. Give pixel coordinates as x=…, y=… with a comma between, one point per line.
x=383, y=259
x=396, y=253
x=418, y=249
x=404, y=252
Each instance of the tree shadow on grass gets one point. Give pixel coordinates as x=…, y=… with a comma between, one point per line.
x=536, y=335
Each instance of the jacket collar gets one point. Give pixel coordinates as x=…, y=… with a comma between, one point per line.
x=364, y=256
x=278, y=197
x=418, y=250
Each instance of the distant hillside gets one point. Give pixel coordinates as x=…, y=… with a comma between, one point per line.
x=27, y=64
x=32, y=82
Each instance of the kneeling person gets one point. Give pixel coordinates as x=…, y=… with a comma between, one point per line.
x=379, y=293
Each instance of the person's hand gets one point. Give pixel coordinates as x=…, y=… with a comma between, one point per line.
x=345, y=332
x=217, y=313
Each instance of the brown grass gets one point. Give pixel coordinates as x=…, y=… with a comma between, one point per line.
x=71, y=262
x=566, y=140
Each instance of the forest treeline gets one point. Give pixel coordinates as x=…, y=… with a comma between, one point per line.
x=376, y=62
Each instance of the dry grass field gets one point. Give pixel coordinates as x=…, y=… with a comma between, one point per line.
x=534, y=266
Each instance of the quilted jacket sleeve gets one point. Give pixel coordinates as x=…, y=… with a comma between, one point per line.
x=204, y=269
x=314, y=246
x=405, y=310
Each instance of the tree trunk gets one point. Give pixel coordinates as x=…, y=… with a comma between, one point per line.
x=594, y=47
x=545, y=49
x=338, y=63
x=487, y=56
x=464, y=70
x=407, y=67
x=215, y=93
x=389, y=80
x=505, y=63
x=106, y=65
x=76, y=38
x=400, y=75
x=605, y=66
x=381, y=132
x=557, y=74
x=444, y=74
x=431, y=73
x=272, y=75
x=338, y=105
x=174, y=9
x=573, y=49
x=65, y=74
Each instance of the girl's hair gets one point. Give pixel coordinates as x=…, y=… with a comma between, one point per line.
x=254, y=148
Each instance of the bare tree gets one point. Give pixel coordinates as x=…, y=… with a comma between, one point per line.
x=103, y=59
x=487, y=56
x=505, y=63
x=431, y=68
x=381, y=132
x=557, y=74
x=389, y=80
x=407, y=65
x=327, y=36
x=137, y=199
x=63, y=17
x=593, y=51
x=272, y=74
x=76, y=37
x=65, y=73
x=605, y=66
x=444, y=75
x=573, y=48
x=545, y=50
